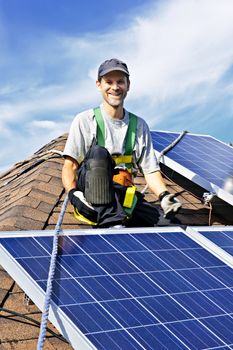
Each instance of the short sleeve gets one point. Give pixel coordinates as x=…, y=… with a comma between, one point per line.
x=147, y=161
x=81, y=134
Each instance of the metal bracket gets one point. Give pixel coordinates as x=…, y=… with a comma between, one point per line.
x=207, y=197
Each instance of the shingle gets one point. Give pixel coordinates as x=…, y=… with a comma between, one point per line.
x=44, y=177
x=6, y=281
x=21, y=331
x=24, y=345
x=15, y=302
x=49, y=188
x=52, y=172
x=11, y=199
x=3, y=296
x=25, y=224
x=43, y=196
x=44, y=207
x=23, y=211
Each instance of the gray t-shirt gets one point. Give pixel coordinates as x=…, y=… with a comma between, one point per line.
x=83, y=131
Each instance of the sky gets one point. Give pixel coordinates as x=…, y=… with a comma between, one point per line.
x=179, y=54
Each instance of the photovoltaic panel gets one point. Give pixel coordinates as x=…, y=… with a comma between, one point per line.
x=128, y=289
x=220, y=236
x=200, y=158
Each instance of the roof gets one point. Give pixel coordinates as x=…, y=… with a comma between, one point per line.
x=31, y=196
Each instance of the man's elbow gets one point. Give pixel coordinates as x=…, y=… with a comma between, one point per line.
x=69, y=171
x=70, y=164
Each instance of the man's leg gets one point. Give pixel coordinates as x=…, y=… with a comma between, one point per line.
x=144, y=215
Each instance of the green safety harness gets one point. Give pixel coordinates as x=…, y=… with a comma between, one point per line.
x=127, y=158
x=129, y=140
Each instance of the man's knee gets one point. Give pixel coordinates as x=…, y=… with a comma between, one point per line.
x=99, y=152
x=96, y=176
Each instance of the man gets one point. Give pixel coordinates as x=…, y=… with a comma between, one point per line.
x=104, y=149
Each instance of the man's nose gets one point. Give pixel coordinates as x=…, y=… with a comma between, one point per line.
x=115, y=86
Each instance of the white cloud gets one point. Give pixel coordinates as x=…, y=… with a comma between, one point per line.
x=46, y=129
x=187, y=45
x=47, y=100
x=176, y=53
x=43, y=124
x=180, y=46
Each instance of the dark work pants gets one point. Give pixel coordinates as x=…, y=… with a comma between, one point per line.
x=144, y=214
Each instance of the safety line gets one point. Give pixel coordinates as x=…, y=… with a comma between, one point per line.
x=165, y=150
x=47, y=301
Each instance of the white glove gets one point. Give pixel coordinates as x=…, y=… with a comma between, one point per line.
x=169, y=204
x=79, y=201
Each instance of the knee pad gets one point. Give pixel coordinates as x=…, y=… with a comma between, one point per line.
x=98, y=180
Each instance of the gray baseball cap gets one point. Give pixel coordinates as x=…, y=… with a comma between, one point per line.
x=112, y=65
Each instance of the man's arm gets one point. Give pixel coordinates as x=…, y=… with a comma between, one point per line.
x=69, y=173
x=168, y=202
x=155, y=182
x=76, y=197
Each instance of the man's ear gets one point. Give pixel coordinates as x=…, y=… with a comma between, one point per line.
x=98, y=85
x=128, y=85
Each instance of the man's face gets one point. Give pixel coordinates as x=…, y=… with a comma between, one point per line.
x=114, y=87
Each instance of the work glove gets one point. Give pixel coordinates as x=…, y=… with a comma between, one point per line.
x=80, y=203
x=169, y=204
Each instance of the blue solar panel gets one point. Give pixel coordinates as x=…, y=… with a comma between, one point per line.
x=202, y=159
x=158, y=289
x=222, y=237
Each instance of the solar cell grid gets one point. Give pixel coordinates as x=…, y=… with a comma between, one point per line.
x=222, y=237
x=202, y=159
x=146, y=290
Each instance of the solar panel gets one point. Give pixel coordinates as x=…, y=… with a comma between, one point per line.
x=127, y=289
x=200, y=158
x=222, y=237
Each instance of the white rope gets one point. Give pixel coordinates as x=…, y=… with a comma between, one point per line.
x=47, y=301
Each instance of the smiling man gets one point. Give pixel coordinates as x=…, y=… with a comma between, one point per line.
x=105, y=148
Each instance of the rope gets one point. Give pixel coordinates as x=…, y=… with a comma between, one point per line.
x=210, y=212
x=165, y=150
x=47, y=301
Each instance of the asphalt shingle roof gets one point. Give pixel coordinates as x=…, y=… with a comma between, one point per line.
x=31, y=196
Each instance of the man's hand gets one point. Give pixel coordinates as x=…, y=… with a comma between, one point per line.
x=80, y=203
x=169, y=204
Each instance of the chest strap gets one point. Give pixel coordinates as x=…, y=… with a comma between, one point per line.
x=129, y=139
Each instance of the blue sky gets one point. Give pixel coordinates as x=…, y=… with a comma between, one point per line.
x=179, y=53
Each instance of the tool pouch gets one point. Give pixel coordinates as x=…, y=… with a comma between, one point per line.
x=123, y=177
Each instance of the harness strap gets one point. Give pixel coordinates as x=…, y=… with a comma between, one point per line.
x=130, y=135
x=122, y=158
x=100, y=132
